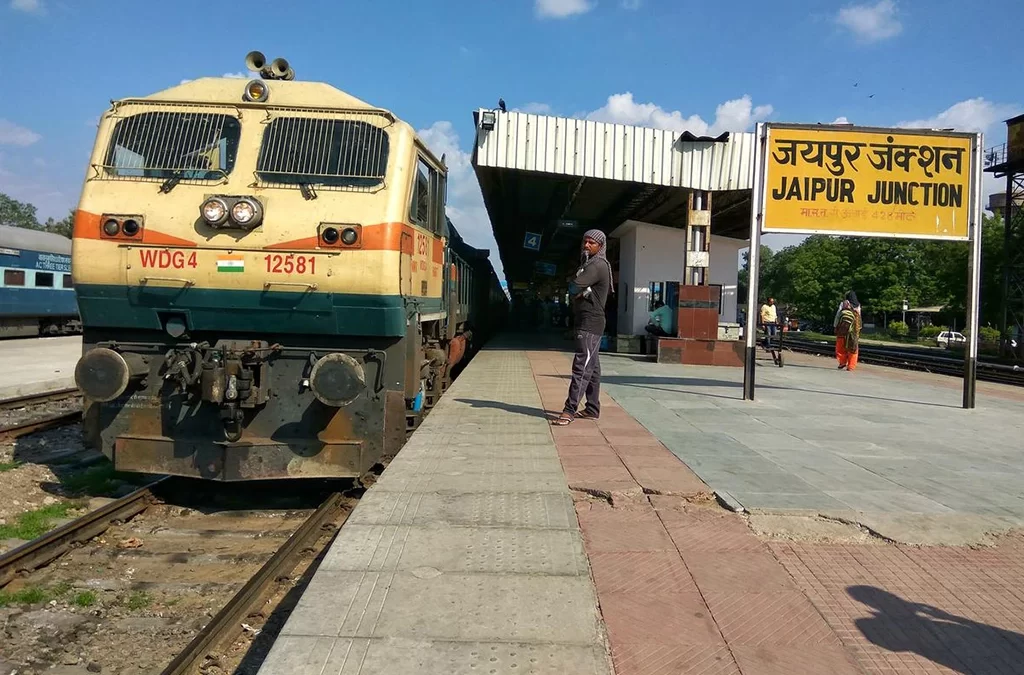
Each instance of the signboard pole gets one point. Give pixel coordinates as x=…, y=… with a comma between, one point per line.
x=754, y=263
x=974, y=282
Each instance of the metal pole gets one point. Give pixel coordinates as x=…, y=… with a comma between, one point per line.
x=1004, y=325
x=974, y=289
x=754, y=262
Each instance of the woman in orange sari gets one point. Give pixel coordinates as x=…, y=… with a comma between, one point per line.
x=848, y=325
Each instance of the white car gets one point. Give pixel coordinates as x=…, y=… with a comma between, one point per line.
x=949, y=337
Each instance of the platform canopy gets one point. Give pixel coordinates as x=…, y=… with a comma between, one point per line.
x=557, y=177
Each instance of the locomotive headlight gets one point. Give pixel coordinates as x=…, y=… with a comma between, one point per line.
x=349, y=236
x=246, y=212
x=214, y=211
x=111, y=228
x=256, y=91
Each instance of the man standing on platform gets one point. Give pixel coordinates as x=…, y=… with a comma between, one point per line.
x=589, y=289
x=770, y=321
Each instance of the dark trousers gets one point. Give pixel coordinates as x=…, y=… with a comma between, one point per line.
x=656, y=330
x=586, y=375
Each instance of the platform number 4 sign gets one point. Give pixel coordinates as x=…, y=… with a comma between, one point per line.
x=532, y=241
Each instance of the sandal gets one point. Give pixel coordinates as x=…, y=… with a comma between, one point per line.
x=562, y=420
x=587, y=415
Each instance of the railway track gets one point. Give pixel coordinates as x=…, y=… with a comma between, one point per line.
x=914, y=360
x=37, y=399
x=160, y=566
x=26, y=415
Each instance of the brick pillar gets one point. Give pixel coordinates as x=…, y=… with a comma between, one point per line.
x=698, y=310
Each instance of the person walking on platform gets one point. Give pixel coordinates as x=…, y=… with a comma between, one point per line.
x=589, y=289
x=769, y=321
x=847, y=325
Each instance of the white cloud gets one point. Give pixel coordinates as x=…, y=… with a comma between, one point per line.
x=465, y=202
x=974, y=114
x=735, y=115
x=841, y=120
x=631, y=4
x=871, y=23
x=560, y=9
x=240, y=75
x=29, y=6
x=37, y=188
x=535, y=109
x=12, y=134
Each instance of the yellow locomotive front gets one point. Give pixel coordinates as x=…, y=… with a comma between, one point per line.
x=259, y=268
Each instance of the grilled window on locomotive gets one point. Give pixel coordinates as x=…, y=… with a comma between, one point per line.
x=161, y=145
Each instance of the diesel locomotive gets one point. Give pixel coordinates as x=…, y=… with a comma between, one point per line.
x=268, y=283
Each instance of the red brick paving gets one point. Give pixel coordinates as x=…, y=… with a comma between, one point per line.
x=906, y=609
x=689, y=590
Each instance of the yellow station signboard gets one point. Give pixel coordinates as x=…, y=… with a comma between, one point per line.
x=873, y=182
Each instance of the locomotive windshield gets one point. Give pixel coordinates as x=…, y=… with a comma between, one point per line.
x=174, y=145
x=330, y=153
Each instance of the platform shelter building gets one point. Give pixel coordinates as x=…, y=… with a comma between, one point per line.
x=675, y=207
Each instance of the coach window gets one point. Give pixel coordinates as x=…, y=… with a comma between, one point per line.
x=67, y=281
x=44, y=279
x=420, y=210
x=14, y=277
x=437, y=227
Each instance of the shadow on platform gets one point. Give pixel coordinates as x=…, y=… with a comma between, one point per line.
x=524, y=410
x=955, y=642
x=644, y=382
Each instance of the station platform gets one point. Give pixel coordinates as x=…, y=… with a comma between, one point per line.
x=37, y=365
x=494, y=543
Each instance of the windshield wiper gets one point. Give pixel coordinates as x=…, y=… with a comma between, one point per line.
x=170, y=183
x=178, y=175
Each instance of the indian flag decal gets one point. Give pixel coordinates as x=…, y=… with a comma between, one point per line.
x=230, y=263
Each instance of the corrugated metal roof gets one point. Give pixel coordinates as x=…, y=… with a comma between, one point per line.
x=33, y=240
x=574, y=147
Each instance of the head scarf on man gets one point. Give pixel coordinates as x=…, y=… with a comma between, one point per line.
x=602, y=243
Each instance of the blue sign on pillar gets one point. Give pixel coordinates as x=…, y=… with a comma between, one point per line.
x=532, y=241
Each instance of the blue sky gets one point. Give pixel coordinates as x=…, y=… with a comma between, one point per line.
x=666, y=63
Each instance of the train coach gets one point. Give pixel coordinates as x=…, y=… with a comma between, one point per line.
x=36, y=294
x=267, y=281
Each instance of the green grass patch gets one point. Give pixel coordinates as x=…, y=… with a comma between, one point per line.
x=32, y=524
x=138, y=600
x=85, y=599
x=34, y=595
x=62, y=589
x=25, y=596
x=9, y=466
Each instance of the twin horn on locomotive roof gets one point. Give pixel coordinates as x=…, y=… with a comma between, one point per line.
x=278, y=69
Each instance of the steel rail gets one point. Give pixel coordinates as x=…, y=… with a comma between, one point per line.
x=35, y=399
x=42, y=550
x=227, y=621
x=33, y=425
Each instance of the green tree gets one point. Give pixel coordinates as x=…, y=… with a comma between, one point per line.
x=18, y=214
x=743, y=283
x=814, y=276
x=64, y=227
x=23, y=214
